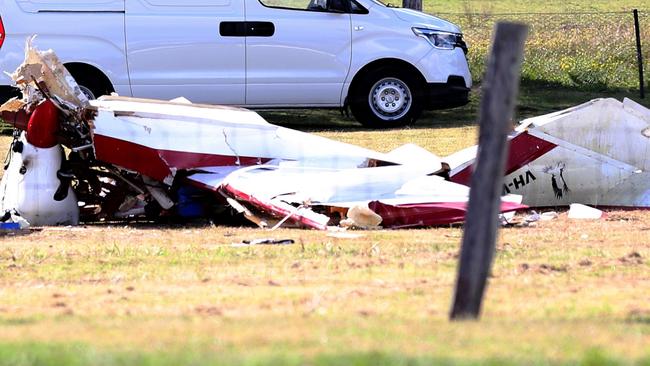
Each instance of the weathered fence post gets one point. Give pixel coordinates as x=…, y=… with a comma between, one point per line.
x=639, y=54
x=412, y=4
x=497, y=105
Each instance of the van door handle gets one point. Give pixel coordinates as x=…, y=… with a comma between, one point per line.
x=246, y=29
x=358, y=28
x=260, y=29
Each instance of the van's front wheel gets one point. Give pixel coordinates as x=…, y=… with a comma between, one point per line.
x=92, y=82
x=386, y=98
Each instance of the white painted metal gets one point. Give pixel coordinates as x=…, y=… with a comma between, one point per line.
x=602, y=157
x=304, y=63
x=219, y=131
x=387, y=33
x=29, y=183
x=173, y=48
x=95, y=39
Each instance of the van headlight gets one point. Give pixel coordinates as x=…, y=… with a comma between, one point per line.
x=440, y=39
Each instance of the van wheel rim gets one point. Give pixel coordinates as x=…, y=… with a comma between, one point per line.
x=390, y=99
x=87, y=92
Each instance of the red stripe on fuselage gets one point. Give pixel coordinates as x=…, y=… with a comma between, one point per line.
x=428, y=214
x=524, y=148
x=157, y=164
x=270, y=207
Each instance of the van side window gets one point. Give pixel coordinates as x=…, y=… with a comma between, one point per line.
x=336, y=6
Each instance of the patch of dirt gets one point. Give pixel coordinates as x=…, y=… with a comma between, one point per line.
x=633, y=258
x=365, y=313
x=207, y=310
x=639, y=316
x=356, y=293
x=585, y=263
x=542, y=268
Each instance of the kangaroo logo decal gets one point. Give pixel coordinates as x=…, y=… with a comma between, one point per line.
x=557, y=170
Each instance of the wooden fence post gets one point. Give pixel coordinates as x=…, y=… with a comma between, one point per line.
x=639, y=53
x=497, y=106
x=412, y=4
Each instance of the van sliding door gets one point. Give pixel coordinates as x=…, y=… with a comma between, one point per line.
x=297, y=53
x=89, y=32
x=175, y=48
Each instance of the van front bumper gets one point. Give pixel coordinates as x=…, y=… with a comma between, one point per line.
x=451, y=94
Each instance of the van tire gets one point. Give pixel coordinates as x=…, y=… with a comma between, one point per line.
x=93, y=83
x=386, y=97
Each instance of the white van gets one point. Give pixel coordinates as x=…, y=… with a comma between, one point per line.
x=387, y=64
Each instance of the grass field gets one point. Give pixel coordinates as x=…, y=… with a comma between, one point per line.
x=561, y=292
x=570, y=44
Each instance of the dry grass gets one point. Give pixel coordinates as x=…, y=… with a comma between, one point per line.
x=441, y=141
x=560, y=292
x=570, y=44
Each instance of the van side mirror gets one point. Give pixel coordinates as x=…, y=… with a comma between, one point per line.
x=339, y=6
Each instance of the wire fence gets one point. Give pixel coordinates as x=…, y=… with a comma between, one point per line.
x=587, y=50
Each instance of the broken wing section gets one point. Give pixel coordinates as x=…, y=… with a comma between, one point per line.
x=402, y=196
x=596, y=153
x=158, y=138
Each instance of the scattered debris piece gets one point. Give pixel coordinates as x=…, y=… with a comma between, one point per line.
x=583, y=212
x=265, y=241
x=11, y=218
x=155, y=160
x=361, y=217
x=548, y=216
x=5, y=226
x=530, y=219
x=11, y=223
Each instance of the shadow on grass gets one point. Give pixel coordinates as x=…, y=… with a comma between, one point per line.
x=535, y=98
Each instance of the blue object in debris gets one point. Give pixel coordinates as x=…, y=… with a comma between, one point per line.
x=9, y=226
x=190, y=202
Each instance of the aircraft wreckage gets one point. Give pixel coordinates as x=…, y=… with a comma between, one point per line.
x=128, y=158
x=596, y=153
x=132, y=158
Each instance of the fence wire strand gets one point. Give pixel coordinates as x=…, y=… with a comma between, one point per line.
x=591, y=50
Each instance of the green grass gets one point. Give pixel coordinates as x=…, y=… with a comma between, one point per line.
x=71, y=355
